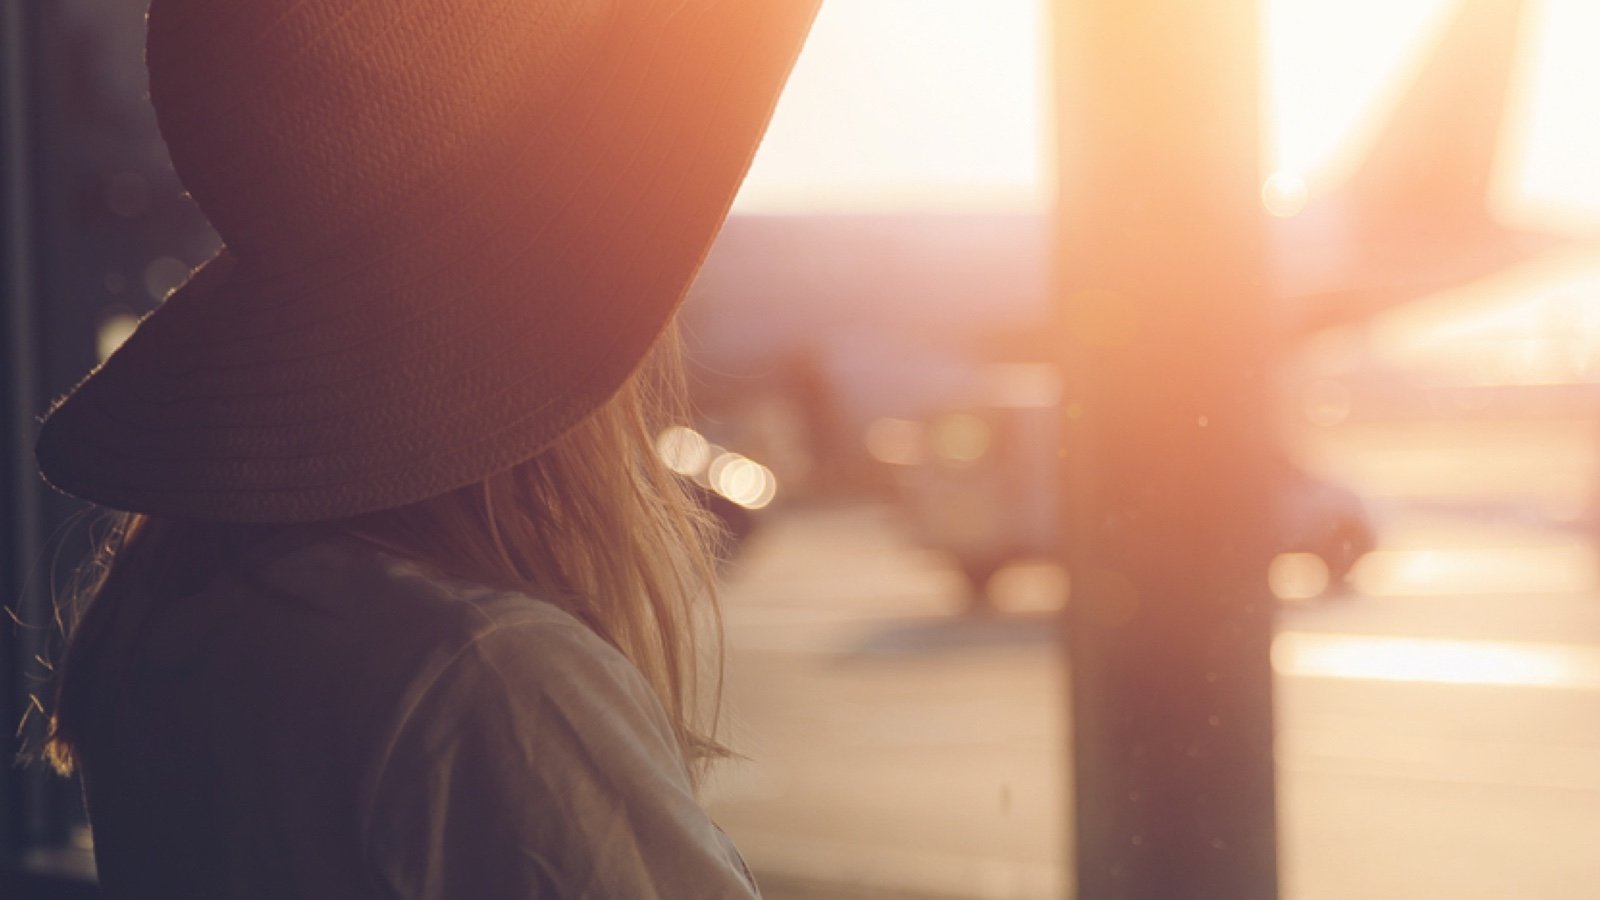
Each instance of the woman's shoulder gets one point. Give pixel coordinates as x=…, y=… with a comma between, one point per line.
x=391, y=628
x=348, y=579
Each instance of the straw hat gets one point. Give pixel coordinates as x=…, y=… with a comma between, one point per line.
x=453, y=228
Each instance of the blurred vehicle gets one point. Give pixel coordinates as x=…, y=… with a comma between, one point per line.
x=979, y=482
x=1326, y=520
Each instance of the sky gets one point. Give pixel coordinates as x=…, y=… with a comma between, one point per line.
x=940, y=105
x=909, y=104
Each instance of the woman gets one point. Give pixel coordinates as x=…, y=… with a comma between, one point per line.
x=401, y=602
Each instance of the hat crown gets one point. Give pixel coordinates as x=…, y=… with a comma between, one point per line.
x=454, y=229
x=295, y=124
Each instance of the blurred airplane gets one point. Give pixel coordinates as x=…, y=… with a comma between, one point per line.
x=864, y=319
x=880, y=300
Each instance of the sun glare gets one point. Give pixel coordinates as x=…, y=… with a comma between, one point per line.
x=1333, y=70
x=1436, y=661
x=1550, y=177
x=942, y=106
x=910, y=106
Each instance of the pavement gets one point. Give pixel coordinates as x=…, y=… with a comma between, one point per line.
x=1438, y=728
x=896, y=748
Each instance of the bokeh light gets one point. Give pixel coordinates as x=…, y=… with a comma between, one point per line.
x=961, y=438
x=684, y=450
x=898, y=442
x=743, y=480
x=113, y=330
x=163, y=275
x=1297, y=576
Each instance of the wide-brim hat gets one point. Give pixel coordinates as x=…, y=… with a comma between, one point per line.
x=452, y=228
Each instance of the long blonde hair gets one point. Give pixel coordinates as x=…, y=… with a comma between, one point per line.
x=596, y=524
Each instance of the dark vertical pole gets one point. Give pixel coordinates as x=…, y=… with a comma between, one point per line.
x=18, y=390
x=1162, y=311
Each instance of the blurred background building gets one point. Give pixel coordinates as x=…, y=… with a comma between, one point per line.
x=884, y=402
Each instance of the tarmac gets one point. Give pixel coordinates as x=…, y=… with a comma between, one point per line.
x=1438, y=730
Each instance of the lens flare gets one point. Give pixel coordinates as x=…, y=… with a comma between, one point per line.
x=1284, y=194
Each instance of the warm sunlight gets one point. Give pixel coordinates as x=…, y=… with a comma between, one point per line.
x=1530, y=324
x=1551, y=180
x=910, y=106
x=1437, y=661
x=941, y=106
x=1333, y=71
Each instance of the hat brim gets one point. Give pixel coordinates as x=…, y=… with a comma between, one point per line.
x=498, y=314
